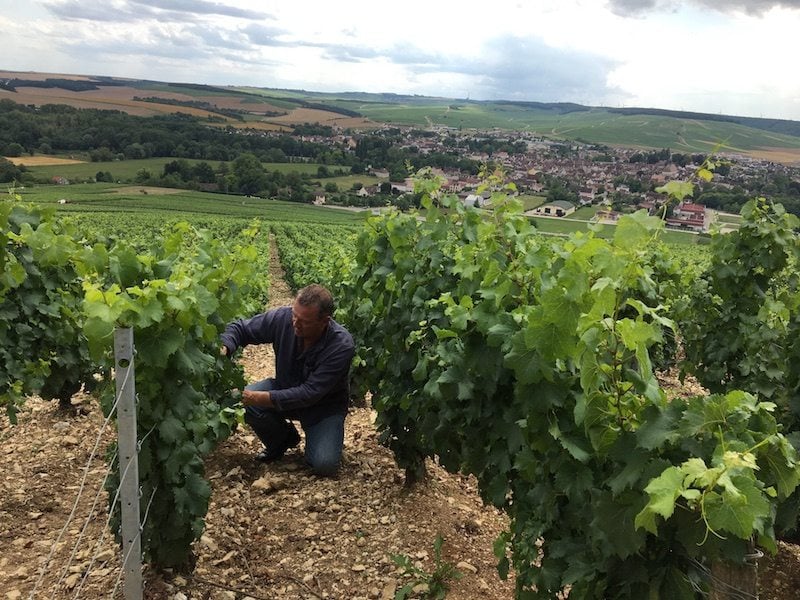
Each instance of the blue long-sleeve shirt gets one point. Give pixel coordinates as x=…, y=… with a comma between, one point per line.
x=309, y=384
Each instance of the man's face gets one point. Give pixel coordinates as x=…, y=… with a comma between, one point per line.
x=306, y=321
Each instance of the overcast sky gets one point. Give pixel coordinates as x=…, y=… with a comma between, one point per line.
x=735, y=57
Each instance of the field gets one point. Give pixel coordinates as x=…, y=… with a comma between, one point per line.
x=271, y=109
x=597, y=126
x=43, y=161
x=114, y=198
x=120, y=198
x=72, y=168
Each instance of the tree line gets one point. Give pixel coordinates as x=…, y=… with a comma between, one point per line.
x=109, y=135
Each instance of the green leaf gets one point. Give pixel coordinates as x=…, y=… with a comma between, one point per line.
x=781, y=461
x=634, y=231
x=677, y=189
x=663, y=491
x=741, y=513
x=155, y=346
x=615, y=517
x=171, y=430
x=659, y=426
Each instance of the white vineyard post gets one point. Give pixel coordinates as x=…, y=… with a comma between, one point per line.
x=128, y=463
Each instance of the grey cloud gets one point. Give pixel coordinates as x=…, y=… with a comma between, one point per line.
x=174, y=11
x=89, y=11
x=634, y=8
x=514, y=68
x=350, y=54
x=509, y=68
x=203, y=7
x=265, y=35
x=217, y=39
x=401, y=54
x=192, y=42
x=521, y=68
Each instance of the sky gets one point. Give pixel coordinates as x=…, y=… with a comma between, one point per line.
x=734, y=57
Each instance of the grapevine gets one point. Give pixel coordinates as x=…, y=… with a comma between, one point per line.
x=42, y=349
x=527, y=364
x=178, y=297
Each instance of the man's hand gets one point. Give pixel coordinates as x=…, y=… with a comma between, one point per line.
x=253, y=398
x=223, y=351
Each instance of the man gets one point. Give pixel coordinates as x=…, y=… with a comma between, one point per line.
x=311, y=384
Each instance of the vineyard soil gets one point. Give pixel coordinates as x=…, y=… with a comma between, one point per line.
x=273, y=532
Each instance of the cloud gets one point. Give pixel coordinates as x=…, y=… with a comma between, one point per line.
x=180, y=11
x=77, y=10
x=516, y=68
x=265, y=35
x=202, y=7
x=510, y=68
x=635, y=8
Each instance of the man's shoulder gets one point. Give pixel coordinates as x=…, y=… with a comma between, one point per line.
x=281, y=312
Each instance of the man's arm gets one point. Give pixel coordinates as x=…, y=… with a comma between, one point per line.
x=255, y=330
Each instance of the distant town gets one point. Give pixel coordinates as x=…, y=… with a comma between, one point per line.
x=560, y=177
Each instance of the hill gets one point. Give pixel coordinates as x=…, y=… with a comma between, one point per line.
x=281, y=110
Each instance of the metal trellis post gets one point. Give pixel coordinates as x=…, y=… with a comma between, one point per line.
x=128, y=463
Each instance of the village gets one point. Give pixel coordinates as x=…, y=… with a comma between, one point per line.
x=614, y=180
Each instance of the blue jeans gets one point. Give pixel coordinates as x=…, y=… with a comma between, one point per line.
x=324, y=439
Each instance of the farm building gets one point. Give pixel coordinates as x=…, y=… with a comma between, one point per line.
x=559, y=208
x=688, y=216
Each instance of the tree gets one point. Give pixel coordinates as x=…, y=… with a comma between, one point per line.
x=9, y=171
x=249, y=174
x=143, y=176
x=180, y=167
x=135, y=151
x=14, y=150
x=203, y=172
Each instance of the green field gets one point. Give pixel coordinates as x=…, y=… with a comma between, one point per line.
x=727, y=218
x=115, y=198
x=595, y=125
x=529, y=201
x=563, y=227
x=126, y=170
x=345, y=182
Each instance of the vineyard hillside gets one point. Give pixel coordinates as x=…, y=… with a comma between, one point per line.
x=272, y=531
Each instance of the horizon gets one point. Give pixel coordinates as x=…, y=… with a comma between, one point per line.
x=99, y=76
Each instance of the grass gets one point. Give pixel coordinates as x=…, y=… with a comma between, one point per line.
x=108, y=198
x=114, y=198
x=596, y=125
x=345, y=183
x=565, y=227
x=726, y=218
x=530, y=201
x=585, y=213
x=126, y=170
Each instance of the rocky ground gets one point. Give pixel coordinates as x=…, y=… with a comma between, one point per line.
x=272, y=532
